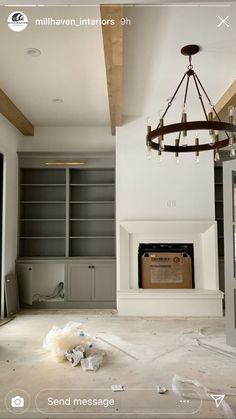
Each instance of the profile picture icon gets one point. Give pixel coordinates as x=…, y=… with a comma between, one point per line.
x=17, y=21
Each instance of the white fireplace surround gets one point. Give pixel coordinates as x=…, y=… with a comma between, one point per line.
x=204, y=300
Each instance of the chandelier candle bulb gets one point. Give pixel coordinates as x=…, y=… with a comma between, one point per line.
x=161, y=125
x=149, y=154
x=177, y=153
x=197, y=152
x=231, y=114
x=161, y=122
x=216, y=155
x=161, y=138
x=212, y=139
x=161, y=145
x=231, y=141
x=148, y=142
x=149, y=150
x=159, y=156
x=232, y=153
x=185, y=141
x=185, y=133
x=210, y=118
x=184, y=119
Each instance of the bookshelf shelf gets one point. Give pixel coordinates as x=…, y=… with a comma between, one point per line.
x=92, y=212
x=67, y=212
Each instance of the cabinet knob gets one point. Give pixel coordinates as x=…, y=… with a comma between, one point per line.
x=29, y=269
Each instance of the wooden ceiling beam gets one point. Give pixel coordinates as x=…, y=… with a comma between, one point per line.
x=228, y=99
x=14, y=115
x=113, y=52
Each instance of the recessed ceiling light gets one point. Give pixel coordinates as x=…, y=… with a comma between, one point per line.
x=33, y=52
x=57, y=100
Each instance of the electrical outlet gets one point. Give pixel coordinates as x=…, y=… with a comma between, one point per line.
x=171, y=203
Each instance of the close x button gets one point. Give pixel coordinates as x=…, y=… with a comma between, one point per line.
x=223, y=21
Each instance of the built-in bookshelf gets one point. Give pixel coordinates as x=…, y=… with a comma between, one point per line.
x=42, y=213
x=92, y=212
x=67, y=213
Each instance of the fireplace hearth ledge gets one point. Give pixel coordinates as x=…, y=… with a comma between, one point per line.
x=170, y=302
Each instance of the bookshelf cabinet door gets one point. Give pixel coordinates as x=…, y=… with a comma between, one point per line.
x=79, y=282
x=25, y=282
x=104, y=282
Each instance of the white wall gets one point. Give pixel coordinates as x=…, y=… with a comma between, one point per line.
x=9, y=142
x=143, y=189
x=144, y=186
x=69, y=139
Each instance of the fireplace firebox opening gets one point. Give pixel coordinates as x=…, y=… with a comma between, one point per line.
x=166, y=265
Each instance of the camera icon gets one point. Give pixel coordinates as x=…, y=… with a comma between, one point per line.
x=17, y=401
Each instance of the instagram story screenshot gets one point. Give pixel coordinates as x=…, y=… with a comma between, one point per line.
x=117, y=209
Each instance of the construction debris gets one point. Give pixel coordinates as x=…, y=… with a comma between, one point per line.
x=92, y=362
x=90, y=359
x=161, y=390
x=215, y=349
x=71, y=343
x=117, y=387
x=74, y=355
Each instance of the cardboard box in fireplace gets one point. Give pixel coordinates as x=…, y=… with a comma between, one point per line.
x=167, y=270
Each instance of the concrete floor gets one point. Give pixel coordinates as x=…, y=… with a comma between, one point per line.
x=141, y=354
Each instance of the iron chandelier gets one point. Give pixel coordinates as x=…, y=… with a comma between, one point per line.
x=156, y=140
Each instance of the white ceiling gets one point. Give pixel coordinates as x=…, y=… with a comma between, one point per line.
x=71, y=67
x=154, y=65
